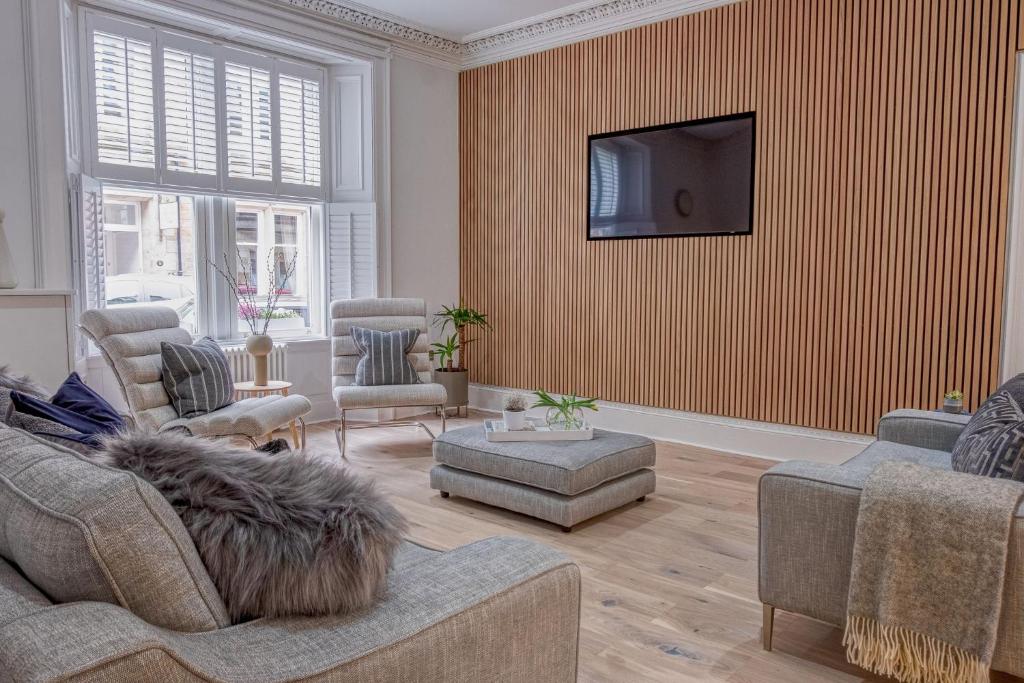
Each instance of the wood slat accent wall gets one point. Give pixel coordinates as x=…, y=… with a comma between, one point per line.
x=874, y=275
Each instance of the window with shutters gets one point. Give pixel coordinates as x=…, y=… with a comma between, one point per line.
x=185, y=112
x=199, y=152
x=190, y=112
x=124, y=100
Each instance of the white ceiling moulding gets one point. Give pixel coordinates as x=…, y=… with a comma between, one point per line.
x=570, y=24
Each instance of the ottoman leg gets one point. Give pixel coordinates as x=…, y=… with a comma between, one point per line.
x=641, y=499
x=444, y=494
x=566, y=529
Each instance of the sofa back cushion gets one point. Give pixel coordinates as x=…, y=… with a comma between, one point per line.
x=79, y=531
x=992, y=443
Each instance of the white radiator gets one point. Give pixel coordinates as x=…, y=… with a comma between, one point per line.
x=240, y=363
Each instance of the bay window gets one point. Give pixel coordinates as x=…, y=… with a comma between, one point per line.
x=200, y=152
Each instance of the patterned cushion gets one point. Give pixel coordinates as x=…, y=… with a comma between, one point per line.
x=196, y=376
x=383, y=357
x=992, y=443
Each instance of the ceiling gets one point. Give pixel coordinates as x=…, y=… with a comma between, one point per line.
x=461, y=19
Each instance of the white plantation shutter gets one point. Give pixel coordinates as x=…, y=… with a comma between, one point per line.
x=352, y=249
x=190, y=112
x=249, y=124
x=300, y=130
x=123, y=69
x=93, y=271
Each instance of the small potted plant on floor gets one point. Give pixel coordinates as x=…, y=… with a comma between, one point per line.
x=565, y=413
x=514, y=412
x=454, y=376
x=954, y=402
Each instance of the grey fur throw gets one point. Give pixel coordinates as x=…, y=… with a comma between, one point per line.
x=287, y=534
x=22, y=383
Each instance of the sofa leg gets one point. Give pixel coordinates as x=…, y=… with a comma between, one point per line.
x=444, y=494
x=767, y=623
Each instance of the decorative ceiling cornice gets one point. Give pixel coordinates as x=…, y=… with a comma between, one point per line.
x=577, y=22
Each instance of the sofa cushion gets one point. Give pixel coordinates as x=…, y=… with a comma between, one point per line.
x=79, y=531
x=992, y=443
x=860, y=466
x=76, y=396
x=90, y=429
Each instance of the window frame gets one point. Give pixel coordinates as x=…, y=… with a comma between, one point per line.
x=159, y=38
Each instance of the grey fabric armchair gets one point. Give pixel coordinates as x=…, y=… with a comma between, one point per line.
x=808, y=514
x=129, y=339
x=385, y=315
x=99, y=581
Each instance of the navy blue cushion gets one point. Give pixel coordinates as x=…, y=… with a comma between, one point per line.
x=83, y=424
x=76, y=396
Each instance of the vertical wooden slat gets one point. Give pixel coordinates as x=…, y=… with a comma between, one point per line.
x=874, y=274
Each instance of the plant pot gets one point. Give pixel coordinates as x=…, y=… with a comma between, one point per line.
x=515, y=420
x=259, y=347
x=955, y=406
x=456, y=383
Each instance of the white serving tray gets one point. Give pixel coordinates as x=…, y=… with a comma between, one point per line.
x=496, y=431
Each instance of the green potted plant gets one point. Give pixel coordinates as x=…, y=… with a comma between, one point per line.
x=953, y=402
x=453, y=370
x=514, y=412
x=565, y=413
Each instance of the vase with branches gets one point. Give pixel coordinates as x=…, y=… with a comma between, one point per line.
x=257, y=316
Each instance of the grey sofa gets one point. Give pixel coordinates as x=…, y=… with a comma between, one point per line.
x=808, y=514
x=99, y=581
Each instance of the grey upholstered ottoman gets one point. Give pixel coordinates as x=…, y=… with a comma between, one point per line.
x=564, y=482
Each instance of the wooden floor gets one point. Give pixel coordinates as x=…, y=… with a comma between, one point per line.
x=669, y=585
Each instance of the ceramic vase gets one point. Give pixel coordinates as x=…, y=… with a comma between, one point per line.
x=259, y=347
x=8, y=280
x=515, y=420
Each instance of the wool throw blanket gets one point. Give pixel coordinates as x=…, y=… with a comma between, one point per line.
x=929, y=561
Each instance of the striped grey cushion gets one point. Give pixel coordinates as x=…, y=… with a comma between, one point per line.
x=383, y=357
x=196, y=376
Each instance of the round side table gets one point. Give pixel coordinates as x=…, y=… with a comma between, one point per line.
x=253, y=390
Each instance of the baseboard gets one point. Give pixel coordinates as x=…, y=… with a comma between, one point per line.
x=743, y=437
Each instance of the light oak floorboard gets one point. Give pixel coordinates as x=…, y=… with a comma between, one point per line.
x=669, y=585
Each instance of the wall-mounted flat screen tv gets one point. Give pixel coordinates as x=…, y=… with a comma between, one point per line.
x=677, y=180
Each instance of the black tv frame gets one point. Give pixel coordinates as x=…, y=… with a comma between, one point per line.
x=752, y=115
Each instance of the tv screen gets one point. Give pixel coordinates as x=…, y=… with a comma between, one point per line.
x=678, y=180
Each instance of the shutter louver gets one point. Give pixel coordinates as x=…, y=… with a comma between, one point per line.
x=300, y=130
x=352, y=240
x=124, y=100
x=190, y=112
x=249, y=122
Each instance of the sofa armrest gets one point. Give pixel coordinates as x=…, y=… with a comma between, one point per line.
x=922, y=428
x=807, y=514
x=501, y=608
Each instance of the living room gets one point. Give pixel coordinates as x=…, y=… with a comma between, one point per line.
x=612, y=340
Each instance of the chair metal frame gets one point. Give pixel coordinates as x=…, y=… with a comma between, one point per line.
x=344, y=426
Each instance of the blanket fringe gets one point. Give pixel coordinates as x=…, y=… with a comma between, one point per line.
x=909, y=656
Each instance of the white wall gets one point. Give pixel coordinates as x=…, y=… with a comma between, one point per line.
x=424, y=182
x=15, y=180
